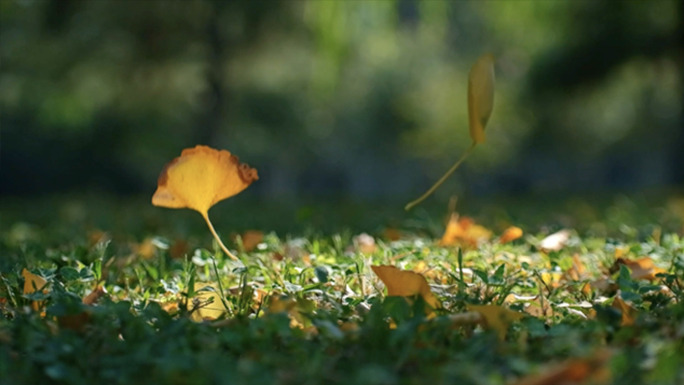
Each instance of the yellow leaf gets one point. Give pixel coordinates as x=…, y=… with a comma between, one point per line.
x=628, y=312
x=511, y=234
x=642, y=268
x=251, y=238
x=464, y=232
x=496, y=317
x=404, y=283
x=33, y=283
x=480, y=96
x=201, y=177
x=205, y=308
x=589, y=370
x=146, y=249
x=480, y=105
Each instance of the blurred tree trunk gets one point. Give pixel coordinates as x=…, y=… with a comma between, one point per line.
x=215, y=97
x=678, y=178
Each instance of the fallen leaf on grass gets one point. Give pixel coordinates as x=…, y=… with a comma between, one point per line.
x=200, y=178
x=294, y=309
x=32, y=284
x=628, y=312
x=536, y=306
x=146, y=249
x=251, y=239
x=642, y=268
x=496, y=317
x=591, y=370
x=78, y=321
x=404, y=283
x=511, y=234
x=206, y=305
x=365, y=244
x=577, y=272
x=392, y=234
x=464, y=232
x=555, y=241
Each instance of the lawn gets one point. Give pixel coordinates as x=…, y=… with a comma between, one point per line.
x=106, y=290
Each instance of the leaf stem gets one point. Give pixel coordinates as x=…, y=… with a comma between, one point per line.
x=442, y=179
x=223, y=247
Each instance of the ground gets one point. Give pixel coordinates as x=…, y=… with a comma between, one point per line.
x=115, y=291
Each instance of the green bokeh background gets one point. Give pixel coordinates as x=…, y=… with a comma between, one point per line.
x=347, y=99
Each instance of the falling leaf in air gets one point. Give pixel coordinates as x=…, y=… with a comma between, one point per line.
x=480, y=105
x=480, y=96
x=497, y=318
x=511, y=234
x=555, y=241
x=405, y=283
x=464, y=232
x=201, y=177
x=32, y=284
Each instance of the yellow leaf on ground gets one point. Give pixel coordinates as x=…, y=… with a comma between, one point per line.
x=496, y=317
x=575, y=371
x=480, y=96
x=33, y=283
x=365, y=244
x=628, y=312
x=206, y=305
x=511, y=234
x=251, y=238
x=404, y=283
x=464, y=232
x=146, y=249
x=642, y=268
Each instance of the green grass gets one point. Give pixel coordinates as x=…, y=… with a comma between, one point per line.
x=334, y=326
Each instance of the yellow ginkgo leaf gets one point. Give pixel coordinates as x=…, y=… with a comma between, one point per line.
x=642, y=268
x=201, y=177
x=480, y=105
x=464, y=232
x=206, y=305
x=511, y=234
x=628, y=312
x=480, y=96
x=405, y=283
x=33, y=283
x=497, y=318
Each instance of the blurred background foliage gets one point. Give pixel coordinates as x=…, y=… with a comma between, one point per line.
x=352, y=99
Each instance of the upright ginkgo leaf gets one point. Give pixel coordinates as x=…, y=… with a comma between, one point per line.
x=480, y=96
x=405, y=283
x=200, y=178
x=480, y=105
